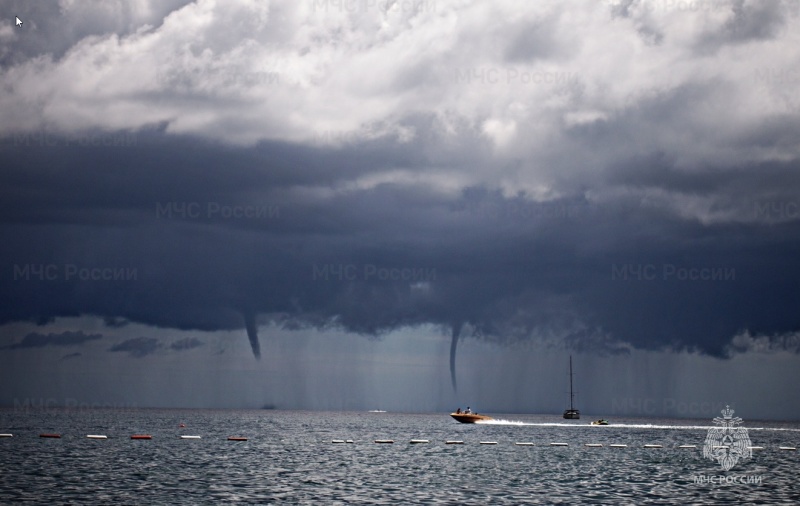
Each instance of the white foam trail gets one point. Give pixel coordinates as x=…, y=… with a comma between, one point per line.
x=620, y=425
x=504, y=422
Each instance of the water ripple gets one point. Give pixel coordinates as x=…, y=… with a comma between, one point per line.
x=290, y=458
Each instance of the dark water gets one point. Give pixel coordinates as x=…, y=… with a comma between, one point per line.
x=289, y=458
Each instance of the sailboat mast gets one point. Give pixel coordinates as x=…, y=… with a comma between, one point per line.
x=571, y=413
x=571, y=395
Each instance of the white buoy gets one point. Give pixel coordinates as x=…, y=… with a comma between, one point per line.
x=6, y=435
x=617, y=446
x=719, y=447
x=653, y=446
x=384, y=441
x=96, y=436
x=190, y=437
x=418, y=441
x=559, y=444
x=790, y=448
x=488, y=442
x=755, y=447
x=524, y=444
x=349, y=441
x=594, y=445
x=338, y=441
x=454, y=442
x=687, y=446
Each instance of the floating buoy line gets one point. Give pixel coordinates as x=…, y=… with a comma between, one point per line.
x=54, y=435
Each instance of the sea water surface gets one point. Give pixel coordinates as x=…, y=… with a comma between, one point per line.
x=290, y=457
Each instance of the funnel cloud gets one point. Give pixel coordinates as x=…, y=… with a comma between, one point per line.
x=453, y=345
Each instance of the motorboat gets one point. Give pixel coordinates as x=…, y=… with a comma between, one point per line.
x=470, y=417
x=600, y=422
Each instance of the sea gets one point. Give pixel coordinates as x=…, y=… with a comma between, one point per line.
x=312, y=457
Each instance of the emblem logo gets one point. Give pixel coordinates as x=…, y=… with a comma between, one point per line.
x=727, y=443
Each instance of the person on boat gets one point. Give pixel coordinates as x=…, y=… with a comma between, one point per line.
x=468, y=411
x=458, y=411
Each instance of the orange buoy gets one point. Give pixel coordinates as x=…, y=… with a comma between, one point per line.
x=141, y=436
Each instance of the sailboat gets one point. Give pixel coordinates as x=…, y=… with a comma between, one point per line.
x=571, y=413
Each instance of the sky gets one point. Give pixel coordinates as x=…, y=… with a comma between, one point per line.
x=405, y=205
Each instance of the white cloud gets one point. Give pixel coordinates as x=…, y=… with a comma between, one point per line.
x=530, y=78
x=6, y=32
x=745, y=342
x=501, y=132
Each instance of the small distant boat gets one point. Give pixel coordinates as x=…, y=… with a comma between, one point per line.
x=470, y=417
x=571, y=413
x=377, y=411
x=600, y=422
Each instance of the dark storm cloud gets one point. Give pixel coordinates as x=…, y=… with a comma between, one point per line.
x=113, y=322
x=36, y=340
x=750, y=21
x=509, y=267
x=137, y=347
x=603, y=201
x=186, y=343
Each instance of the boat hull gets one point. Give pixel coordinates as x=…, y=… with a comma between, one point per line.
x=470, y=418
x=572, y=414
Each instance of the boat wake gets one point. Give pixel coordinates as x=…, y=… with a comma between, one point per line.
x=619, y=425
x=504, y=422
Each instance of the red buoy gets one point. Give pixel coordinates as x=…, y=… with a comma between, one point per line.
x=141, y=436
x=50, y=435
x=182, y=425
